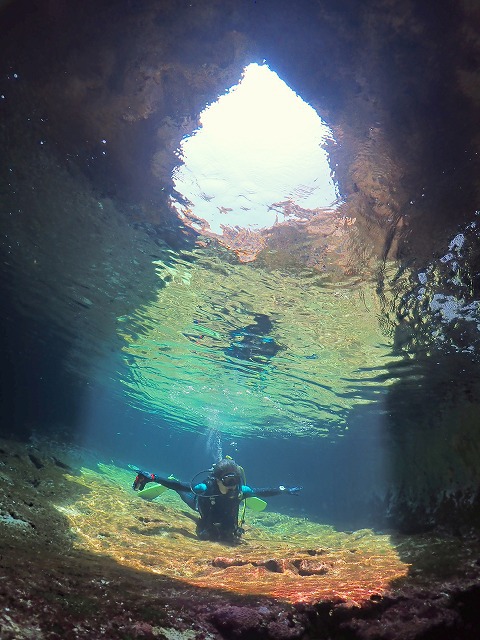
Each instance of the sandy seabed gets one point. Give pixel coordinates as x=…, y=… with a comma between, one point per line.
x=83, y=556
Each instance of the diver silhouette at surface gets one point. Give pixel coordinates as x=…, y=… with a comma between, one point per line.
x=217, y=499
x=254, y=342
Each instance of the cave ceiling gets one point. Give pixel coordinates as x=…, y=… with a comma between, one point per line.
x=138, y=77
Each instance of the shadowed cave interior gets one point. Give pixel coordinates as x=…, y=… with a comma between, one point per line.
x=334, y=347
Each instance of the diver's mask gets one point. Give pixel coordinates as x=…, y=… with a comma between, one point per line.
x=230, y=480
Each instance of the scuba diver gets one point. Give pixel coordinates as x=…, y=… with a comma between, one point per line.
x=217, y=499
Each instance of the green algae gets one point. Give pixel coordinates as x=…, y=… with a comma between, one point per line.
x=104, y=556
x=288, y=558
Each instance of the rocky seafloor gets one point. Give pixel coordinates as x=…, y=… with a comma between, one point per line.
x=82, y=556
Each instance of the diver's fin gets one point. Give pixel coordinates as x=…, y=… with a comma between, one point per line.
x=152, y=492
x=255, y=504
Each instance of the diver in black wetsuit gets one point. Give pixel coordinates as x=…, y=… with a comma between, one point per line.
x=217, y=500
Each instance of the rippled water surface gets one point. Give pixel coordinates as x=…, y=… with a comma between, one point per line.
x=253, y=350
x=285, y=343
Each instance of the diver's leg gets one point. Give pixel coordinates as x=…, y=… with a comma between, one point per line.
x=191, y=500
x=203, y=533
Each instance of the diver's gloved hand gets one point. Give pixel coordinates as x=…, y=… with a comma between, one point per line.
x=293, y=491
x=141, y=480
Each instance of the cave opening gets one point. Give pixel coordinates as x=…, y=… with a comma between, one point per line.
x=259, y=158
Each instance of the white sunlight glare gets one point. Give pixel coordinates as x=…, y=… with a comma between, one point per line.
x=259, y=144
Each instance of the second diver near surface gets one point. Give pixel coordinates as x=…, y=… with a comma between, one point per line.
x=217, y=500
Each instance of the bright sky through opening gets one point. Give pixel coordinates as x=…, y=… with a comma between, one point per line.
x=258, y=144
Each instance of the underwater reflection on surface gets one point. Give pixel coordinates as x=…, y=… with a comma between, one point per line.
x=269, y=351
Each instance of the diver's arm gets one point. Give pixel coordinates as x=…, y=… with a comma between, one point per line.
x=251, y=492
x=171, y=483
